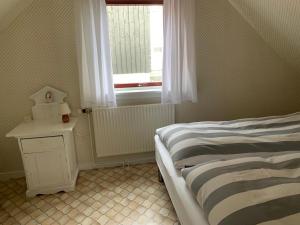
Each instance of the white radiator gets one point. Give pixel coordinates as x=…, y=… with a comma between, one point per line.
x=130, y=129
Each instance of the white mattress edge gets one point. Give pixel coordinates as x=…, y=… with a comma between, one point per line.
x=186, y=207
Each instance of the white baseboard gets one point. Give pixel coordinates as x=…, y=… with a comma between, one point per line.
x=126, y=161
x=86, y=166
x=123, y=160
x=11, y=175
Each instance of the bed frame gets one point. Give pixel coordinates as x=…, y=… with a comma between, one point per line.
x=186, y=207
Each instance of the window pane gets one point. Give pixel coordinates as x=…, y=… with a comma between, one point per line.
x=136, y=37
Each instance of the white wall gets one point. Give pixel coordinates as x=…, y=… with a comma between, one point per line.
x=239, y=75
x=37, y=49
x=278, y=23
x=10, y=9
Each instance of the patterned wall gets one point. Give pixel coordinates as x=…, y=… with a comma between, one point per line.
x=37, y=49
x=278, y=22
x=238, y=74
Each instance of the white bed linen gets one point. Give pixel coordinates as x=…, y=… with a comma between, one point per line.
x=187, y=209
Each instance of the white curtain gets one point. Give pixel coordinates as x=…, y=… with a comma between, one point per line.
x=179, y=64
x=94, y=60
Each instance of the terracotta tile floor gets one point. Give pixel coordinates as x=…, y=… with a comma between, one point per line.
x=117, y=196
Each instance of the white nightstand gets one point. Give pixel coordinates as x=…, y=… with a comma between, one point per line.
x=49, y=157
x=47, y=146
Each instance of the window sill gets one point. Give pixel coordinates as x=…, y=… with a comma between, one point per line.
x=138, y=94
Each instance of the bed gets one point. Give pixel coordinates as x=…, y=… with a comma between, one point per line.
x=187, y=209
x=184, y=151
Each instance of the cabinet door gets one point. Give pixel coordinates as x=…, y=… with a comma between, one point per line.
x=45, y=169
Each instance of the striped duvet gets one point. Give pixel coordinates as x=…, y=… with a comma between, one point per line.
x=195, y=143
x=248, y=190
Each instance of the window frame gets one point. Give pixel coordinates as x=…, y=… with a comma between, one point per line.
x=135, y=2
x=133, y=85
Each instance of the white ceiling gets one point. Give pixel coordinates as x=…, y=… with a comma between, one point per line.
x=277, y=22
x=10, y=9
x=6, y=6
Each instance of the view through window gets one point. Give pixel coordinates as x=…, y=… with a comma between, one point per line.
x=136, y=40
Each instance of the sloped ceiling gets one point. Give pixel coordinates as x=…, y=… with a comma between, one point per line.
x=10, y=9
x=278, y=22
x=6, y=6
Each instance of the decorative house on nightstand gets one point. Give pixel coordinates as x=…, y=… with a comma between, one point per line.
x=47, y=146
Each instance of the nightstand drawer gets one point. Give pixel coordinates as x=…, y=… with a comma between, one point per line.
x=46, y=144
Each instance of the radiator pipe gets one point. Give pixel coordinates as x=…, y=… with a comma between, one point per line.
x=86, y=110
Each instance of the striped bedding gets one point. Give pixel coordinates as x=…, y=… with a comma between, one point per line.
x=195, y=143
x=248, y=190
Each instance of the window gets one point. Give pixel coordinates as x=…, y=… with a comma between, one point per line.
x=136, y=40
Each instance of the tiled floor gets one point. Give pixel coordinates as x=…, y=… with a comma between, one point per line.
x=118, y=196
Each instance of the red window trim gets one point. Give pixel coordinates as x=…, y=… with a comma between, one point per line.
x=133, y=85
x=134, y=2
